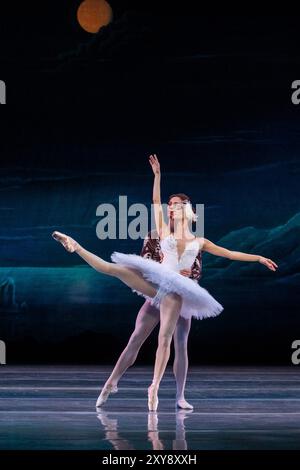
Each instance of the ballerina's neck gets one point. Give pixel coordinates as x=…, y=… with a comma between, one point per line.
x=181, y=231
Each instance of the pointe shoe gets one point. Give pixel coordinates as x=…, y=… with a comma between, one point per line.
x=152, y=398
x=106, y=391
x=184, y=405
x=67, y=242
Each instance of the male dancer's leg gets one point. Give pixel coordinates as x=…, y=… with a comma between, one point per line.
x=146, y=321
x=181, y=362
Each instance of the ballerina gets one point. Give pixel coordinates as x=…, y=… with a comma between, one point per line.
x=147, y=319
x=162, y=284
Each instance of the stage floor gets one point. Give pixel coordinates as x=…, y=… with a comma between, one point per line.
x=53, y=407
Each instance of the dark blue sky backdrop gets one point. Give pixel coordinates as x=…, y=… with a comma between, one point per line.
x=211, y=95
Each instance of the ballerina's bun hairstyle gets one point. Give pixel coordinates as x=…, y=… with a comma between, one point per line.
x=189, y=211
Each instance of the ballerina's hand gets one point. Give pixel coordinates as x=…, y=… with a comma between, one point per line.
x=268, y=263
x=186, y=272
x=153, y=160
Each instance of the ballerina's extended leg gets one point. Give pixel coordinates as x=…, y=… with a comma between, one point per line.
x=130, y=277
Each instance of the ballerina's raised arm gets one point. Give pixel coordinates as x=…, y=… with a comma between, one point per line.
x=161, y=225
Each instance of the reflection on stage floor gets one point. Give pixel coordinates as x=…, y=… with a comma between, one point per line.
x=53, y=407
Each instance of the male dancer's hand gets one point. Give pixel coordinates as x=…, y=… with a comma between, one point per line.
x=186, y=272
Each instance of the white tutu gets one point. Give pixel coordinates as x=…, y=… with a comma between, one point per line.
x=196, y=301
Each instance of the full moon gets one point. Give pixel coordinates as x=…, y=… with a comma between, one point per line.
x=93, y=14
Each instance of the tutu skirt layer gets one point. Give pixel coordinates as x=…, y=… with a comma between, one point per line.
x=196, y=301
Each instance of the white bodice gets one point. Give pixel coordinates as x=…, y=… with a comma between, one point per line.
x=170, y=252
